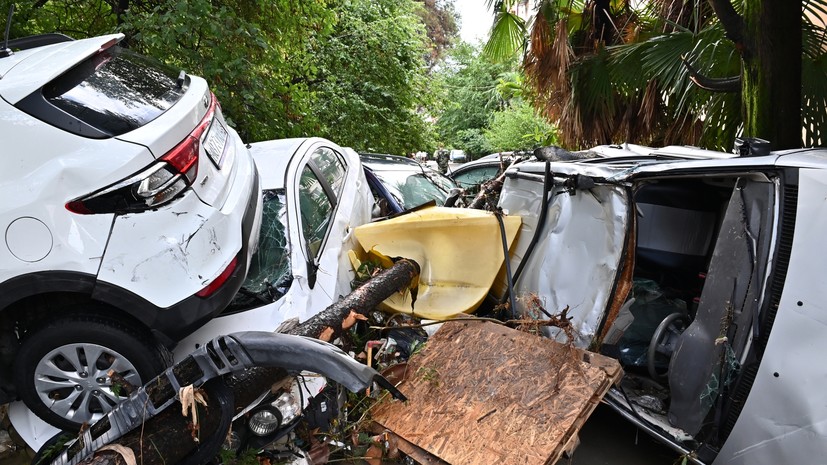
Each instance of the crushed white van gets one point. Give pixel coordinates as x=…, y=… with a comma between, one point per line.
x=703, y=273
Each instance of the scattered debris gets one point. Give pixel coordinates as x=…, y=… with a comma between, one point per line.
x=126, y=453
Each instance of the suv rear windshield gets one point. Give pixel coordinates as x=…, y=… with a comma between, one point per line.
x=106, y=95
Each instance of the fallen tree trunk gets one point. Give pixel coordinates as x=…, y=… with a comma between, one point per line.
x=168, y=438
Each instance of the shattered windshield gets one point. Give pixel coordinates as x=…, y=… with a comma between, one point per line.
x=412, y=189
x=269, y=274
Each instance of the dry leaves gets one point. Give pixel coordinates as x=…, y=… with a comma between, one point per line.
x=190, y=398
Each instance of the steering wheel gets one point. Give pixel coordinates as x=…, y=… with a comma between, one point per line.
x=663, y=342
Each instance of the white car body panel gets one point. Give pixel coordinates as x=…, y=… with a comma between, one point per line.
x=163, y=255
x=212, y=184
x=78, y=241
x=208, y=242
x=784, y=419
x=784, y=415
x=585, y=229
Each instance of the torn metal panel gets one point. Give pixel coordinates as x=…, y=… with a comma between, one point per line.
x=577, y=263
x=469, y=402
x=624, y=284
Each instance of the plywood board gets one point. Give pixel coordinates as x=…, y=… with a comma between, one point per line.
x=481, y=393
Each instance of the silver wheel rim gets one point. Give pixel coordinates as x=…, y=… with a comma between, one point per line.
x=73, y=381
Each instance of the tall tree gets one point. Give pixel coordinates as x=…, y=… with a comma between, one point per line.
x=440, y=19
x=766, y=35
x=350, y=70
x=372, y=77
x=471, y=97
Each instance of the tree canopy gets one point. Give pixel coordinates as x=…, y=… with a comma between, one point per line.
x=354, y=71
x=484, y=108
x=680, y=71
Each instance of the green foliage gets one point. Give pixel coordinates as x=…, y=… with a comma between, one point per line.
x=472, y=141
x=252, y=53
x=519, y=128
x=507, y=36
x=91, y=18
x=350, y=70
x=373, y=78
x=631, y=84
x=471, y=86
x=440, y=19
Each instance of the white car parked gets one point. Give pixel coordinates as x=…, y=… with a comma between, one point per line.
x=314, y=193
x=129, y=212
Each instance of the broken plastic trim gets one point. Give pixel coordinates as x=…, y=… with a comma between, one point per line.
x=223, y=355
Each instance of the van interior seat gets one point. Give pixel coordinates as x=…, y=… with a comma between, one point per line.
x=676, y=226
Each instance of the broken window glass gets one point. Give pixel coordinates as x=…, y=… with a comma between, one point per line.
x=270, y=274
x=331, y=167
x=412, y=189
x=471, y=180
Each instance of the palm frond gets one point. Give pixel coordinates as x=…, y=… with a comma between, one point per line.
x=815, y=10
x=595, y=98
x=507, y=37
x=814, y=39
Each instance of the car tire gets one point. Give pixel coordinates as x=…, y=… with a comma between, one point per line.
x=58, y=382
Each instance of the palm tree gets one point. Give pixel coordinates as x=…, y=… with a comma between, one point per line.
x=639, y=70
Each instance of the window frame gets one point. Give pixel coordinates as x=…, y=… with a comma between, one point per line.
x=313, y=260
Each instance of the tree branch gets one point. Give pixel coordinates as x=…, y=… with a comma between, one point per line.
x=728, y=85
x=733, y=22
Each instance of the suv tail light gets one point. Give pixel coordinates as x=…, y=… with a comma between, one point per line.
x=158, y=184
x=219, y=281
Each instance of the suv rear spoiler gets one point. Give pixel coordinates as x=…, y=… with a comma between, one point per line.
x=39, y=40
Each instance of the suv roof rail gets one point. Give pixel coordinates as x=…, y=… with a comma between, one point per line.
x=39, y=40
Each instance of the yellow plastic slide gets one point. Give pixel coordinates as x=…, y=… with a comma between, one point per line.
x=460, y=252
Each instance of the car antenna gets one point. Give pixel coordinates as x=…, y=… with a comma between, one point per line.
x=5, y=50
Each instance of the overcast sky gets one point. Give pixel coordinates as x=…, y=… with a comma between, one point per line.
x=476, y=20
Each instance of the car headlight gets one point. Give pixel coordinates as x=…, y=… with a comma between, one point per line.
x=288, y=406
x=269, y=418
x=264, y=421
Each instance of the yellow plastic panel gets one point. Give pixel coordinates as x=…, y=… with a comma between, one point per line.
x=459, y=250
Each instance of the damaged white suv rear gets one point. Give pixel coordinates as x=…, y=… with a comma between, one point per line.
x=129, y=212
x=703, y=272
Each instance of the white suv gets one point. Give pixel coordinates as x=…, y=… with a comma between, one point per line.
x=129, y=211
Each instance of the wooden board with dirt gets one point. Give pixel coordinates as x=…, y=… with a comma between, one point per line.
x=482, y=393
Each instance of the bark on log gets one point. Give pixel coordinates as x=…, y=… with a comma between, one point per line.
x=167, y=438
x=489, y=194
